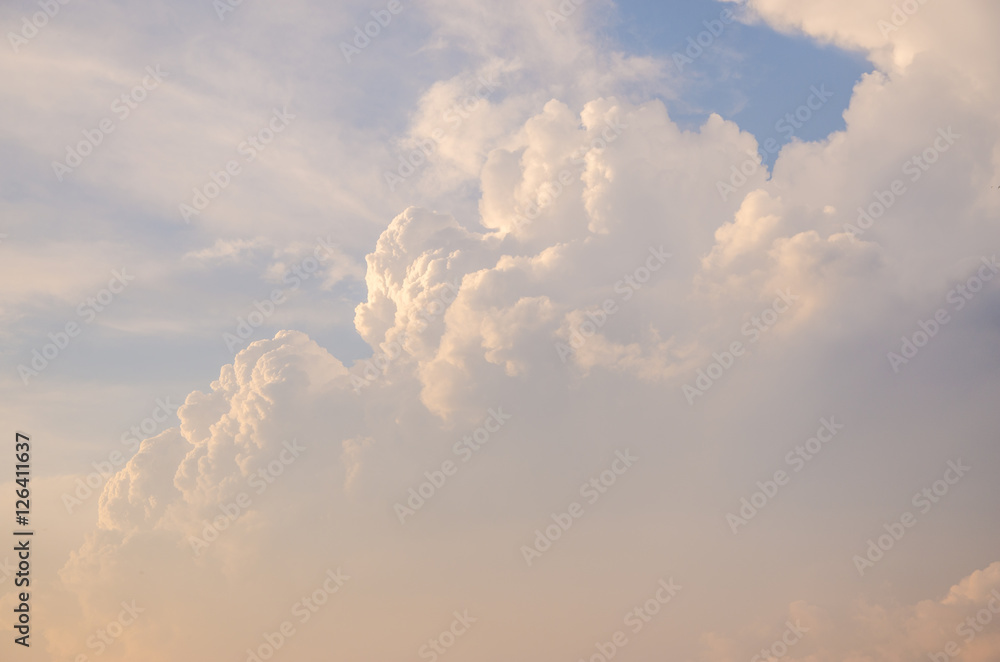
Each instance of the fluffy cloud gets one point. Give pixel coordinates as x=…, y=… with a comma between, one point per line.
x=891, y=632
x=599, y=271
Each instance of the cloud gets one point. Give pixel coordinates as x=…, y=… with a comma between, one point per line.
x=585, y=270
x=232, y=250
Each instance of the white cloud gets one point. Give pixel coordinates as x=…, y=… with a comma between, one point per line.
x=479, y=303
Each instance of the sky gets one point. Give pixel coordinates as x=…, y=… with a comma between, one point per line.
x=586, y=331
x=751, y=74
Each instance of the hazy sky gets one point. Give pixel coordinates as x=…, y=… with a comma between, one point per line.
x=484, y=335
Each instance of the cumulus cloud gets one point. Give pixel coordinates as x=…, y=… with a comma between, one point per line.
x=874, y=632
x=597, y=273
